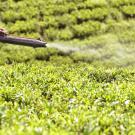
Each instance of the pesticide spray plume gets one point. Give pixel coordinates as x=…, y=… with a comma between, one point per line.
x=104, y=49
x=113, y=53
x=63, y=48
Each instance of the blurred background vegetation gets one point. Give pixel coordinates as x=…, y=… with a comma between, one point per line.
x=103, y=30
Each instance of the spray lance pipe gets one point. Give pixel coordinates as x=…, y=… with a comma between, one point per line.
x=5, y=38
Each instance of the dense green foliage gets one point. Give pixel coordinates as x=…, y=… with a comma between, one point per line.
x=90, y=24
x=50, y=98
x=78, y=90
x=64, y=19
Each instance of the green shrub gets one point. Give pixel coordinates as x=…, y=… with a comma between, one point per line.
x=66, y=20
x=52, y=34
x=95, y=3
x=84, y=56
x=127, y=37
x=61, y=60
x=10, y=16
x=65, y=34
x=100, y=41
x=86, y=29
x=18, y=54
x=50, y=21
x=23, y=26
x=45, y=54
x=115, y=14
x=60, y=10
x=119, y=3
x=121, y=26
x=129, y=10
x=3, y=58
x=87, y=14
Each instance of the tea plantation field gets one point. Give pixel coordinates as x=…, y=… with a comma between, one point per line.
x=88, y=88
x=103, y=29
x=51, y=98
x=69, y=19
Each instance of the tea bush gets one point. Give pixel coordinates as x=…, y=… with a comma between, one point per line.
x=53, y=14
x=60, y=98
x=129, y=10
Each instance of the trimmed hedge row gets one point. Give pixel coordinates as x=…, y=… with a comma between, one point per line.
x=118, y=3
x=64, y=20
